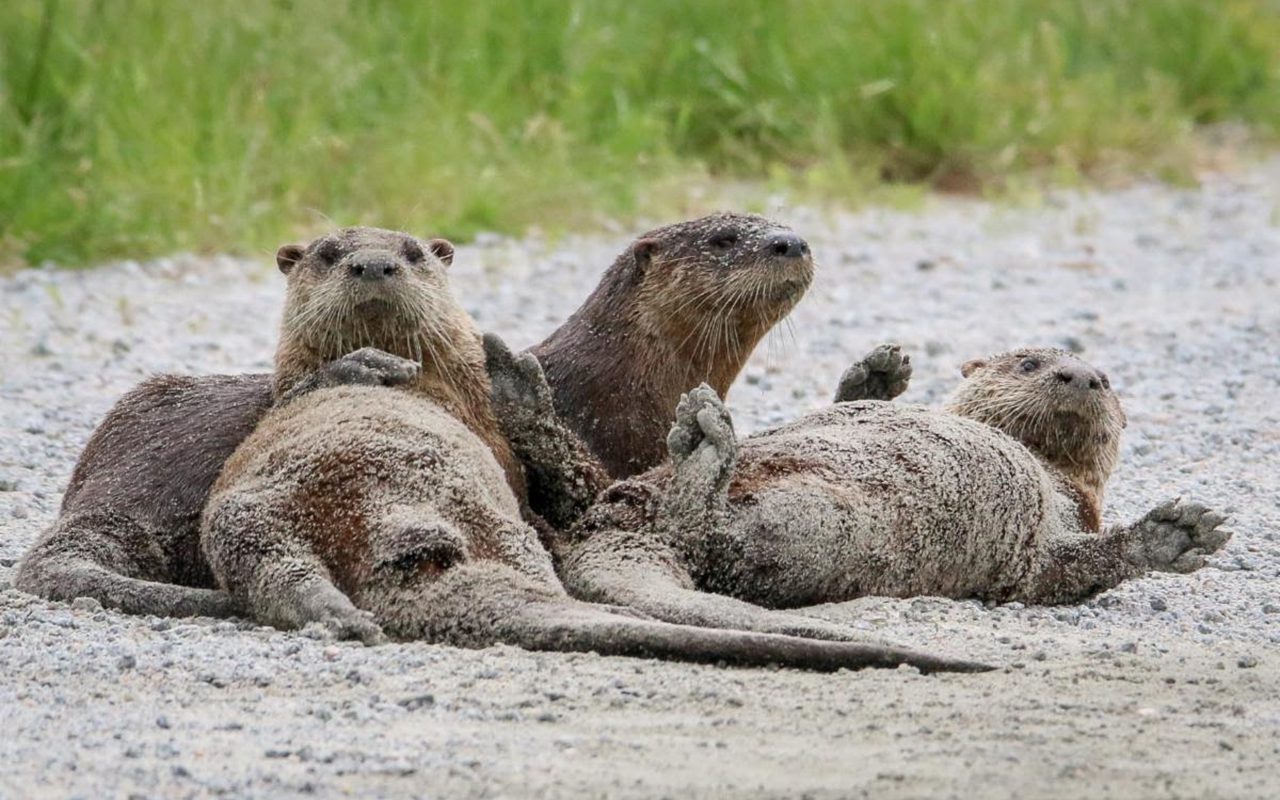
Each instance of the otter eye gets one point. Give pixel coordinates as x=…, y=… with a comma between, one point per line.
x=1029, y=365
x=724, y=241
x=328, y=251
x=1106, y=383
x=412, y=251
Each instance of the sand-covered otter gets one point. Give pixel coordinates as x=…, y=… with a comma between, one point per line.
x=128, y=529
x=871, y=498
x=684, y=305
x=375, y=510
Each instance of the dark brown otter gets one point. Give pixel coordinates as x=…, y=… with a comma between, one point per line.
x=1059, y=407
x=684, y=305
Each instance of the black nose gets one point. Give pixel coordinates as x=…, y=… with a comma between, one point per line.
x=787, y=245
x=373, y=269
x=1079, y=377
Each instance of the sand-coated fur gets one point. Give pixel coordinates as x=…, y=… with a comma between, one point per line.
x=1061, y=408
x=373, y=510
x=685, y=304
x=866, y=498
x=144, y=477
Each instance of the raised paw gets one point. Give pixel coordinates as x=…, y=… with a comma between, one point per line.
x=1176, y=536
x=701, y=419
x=882, y=374
x=518, y=383
x=332, y=610
x=370, y=366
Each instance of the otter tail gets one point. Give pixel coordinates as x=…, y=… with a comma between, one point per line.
x=571, y=626
x=482, y=604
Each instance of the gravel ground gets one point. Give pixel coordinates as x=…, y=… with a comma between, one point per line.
x=1165, y=687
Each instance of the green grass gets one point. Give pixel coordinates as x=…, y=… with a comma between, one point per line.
x=134, y=127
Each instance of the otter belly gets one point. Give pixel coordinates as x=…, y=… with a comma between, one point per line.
x=342, y=469
x=875, y=498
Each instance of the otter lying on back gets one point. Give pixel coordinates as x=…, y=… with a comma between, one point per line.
x=869, y=497
x=373, y=509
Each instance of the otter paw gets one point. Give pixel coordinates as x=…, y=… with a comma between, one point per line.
x=701, y=419
x=518, y=383
x=332, y=610
x=369, y=366
x=882, y=374
x=1176, y=536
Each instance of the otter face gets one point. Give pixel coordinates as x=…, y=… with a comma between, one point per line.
x=364, y=287
x=730, y=268
x=1054, y=403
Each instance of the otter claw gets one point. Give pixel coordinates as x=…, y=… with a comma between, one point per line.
x=1176, y=536
x=334, y=611
x=882, y=374
x=369, y=366
x=518, y=382
x=700, y=417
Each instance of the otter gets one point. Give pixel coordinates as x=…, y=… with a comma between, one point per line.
x=373, y=510
x=127, y=533
x=685, y=304
x=868, y=497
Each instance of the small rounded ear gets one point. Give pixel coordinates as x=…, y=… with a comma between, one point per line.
x=441, y=249
x=643, y=251
x=288, y=256
x=970, y=367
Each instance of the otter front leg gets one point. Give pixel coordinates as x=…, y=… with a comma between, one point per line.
x=563, y=476
x=882, y=374
x=1173, y=537
x=277, y=577
x=367, y=366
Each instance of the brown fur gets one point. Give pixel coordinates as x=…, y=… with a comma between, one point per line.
x=867, y=497
x=369, y=508
x=684, y=304
x=1059, y=407
x=328, y=314
x=128, y=530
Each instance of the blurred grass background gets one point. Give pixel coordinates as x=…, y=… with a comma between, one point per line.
x=136, y=127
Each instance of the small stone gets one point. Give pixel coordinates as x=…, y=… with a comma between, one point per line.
x=1247, y=662
x=162, y=722
x=1158, y=604
x=417, y=701
x=126, y=662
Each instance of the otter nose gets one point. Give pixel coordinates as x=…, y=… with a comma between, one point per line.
x=1078, y=376
x=787, y=245
x=373, y=269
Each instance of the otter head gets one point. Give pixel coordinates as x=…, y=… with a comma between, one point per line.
x=722, y=274
x=1061, y=408
x=365, y=287
x=705, y=291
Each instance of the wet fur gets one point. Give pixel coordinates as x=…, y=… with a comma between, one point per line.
x=673, y=311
